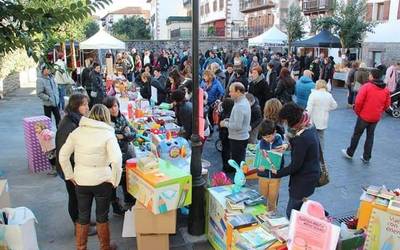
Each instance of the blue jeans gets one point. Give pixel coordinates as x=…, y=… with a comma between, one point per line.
x=61, y=93
x=293, y=204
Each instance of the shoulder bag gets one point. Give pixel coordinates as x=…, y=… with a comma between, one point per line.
x=324, y=178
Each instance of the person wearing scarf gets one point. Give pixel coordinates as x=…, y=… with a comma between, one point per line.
x=78, y=106
x=304, y=168
x=259, y=87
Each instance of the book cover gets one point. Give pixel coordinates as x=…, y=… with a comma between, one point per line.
x=242, y=220
x=282, y=234
x=268, y=159
x=383, y=231
x=257, y=237
x=309, y=232
x=237, y=197
x=278, y=222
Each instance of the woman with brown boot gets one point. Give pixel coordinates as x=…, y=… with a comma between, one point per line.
x=95, y=148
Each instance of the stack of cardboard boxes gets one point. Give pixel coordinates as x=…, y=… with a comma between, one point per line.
x=152, y=231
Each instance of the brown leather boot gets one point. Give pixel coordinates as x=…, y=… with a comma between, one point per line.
x=81, y=236
x=103, y=231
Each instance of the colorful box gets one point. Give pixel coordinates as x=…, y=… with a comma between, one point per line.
x=37, y=160
x=160, y=191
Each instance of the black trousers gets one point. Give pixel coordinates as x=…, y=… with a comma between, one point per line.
x=56, y=112
x=361, y=125
x=101, y=194
x=226, y=154
x=351, y=96
x=72, y=201
x=238, y=150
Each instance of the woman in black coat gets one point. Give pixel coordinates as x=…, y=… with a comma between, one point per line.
x=304, y=168
x=259, y=87
x=286, y=86
x=78, y=106
x=145, y=89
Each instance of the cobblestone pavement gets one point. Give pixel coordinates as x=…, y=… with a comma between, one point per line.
x=46, y=196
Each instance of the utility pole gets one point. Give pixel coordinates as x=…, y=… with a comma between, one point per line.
x=196, y=222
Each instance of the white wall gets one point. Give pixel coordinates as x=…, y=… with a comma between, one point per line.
x=213, y=16
x=167, y=8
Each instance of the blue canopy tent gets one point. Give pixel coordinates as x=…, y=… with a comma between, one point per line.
x=324, y=39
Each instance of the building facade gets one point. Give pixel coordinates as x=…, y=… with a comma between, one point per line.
x=220, y=18
x=114, y=16
x=383, y=45
x=179, y=27
x=159, y=13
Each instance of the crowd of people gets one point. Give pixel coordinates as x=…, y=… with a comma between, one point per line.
x=278, y=102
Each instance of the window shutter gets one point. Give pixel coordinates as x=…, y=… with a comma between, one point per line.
x=369, y=12
x=386, y=10
x=398, y=12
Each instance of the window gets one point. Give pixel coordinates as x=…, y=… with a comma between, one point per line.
x=221, y=4
x=379, y=11
x=215, y=8
x=377, y=58
x=202, y=10
x=207, y=8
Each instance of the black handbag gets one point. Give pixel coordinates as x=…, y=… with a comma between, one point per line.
x=324, y=177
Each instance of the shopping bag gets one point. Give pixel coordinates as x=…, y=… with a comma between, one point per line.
x=19, y=231
x=128, y=227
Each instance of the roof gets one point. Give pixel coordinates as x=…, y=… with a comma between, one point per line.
x=180, y=19
x=102, y=40
x=130, y=11
x=324, y=39
x=271, y=36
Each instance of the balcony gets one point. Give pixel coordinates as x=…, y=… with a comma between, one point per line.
x=212, y=31
x=317, y=6
x=247, y=6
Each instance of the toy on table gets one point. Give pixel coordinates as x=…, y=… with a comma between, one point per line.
x=174, y=150
x=220, y=179
x=239, y=178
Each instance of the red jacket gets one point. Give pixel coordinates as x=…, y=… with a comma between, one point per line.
x=371, y=101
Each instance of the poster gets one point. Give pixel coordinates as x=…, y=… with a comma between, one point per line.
x=308, y=232
x=383, y=231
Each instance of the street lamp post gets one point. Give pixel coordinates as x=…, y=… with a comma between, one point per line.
x=196, y=220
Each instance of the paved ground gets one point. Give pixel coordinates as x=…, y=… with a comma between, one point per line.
x=47, y=198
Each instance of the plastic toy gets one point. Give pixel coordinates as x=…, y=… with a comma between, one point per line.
x=174, y=150
x=239, y=178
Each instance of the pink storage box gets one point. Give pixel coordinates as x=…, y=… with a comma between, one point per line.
x=37, y=160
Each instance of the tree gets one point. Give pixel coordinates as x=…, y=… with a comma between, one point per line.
x=28, y=24
x=294, y=24
x=130, y=28
x=348, y=22
x=91, y=28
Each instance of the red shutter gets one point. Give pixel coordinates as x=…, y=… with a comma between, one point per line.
x=386, y=10
x=369, y=12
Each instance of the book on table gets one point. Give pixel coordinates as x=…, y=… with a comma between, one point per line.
x=237, y=197
x=242, y=220
x=268, y=159
x=257, y=237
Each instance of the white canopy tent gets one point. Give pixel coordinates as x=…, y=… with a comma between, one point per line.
x=273, y=36
x=102, y=40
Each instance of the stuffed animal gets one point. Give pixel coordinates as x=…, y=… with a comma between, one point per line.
x=239, y=178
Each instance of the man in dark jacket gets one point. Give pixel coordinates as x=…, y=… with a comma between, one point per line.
x=228, y=73
x=159, y=82
x=145, y=89
x=183, y=112
x=97, y=85
x=371, y=101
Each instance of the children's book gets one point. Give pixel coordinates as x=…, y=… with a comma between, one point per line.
x=237, y=197
x=268, y=159
x=242, y=220
x=257, y=237
x=278, y=222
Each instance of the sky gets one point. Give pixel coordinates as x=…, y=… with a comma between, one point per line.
x=119, y=4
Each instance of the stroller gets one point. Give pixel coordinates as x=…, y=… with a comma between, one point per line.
x=394, y=108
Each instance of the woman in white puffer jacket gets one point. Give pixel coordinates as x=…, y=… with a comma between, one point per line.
x=95, y=148
x=319, y=104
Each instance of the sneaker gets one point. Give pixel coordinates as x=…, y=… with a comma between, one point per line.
x=364, y=160
x=346, y=155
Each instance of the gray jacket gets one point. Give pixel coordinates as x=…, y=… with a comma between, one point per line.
x=239, y=121
x=47, y=90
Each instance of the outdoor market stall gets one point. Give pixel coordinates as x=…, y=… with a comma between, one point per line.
x=273, y=37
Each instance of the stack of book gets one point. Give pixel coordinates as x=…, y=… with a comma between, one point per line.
x=248, y=198
x=256, y=238
x=276, y=225
x=380, y=195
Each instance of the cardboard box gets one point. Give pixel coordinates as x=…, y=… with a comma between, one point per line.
x=161, y=191
x=37, y=160
x=148, y=223
x=152, y=241
x=4, y=194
